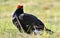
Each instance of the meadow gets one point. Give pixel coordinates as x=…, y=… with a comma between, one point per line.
x=46, y=10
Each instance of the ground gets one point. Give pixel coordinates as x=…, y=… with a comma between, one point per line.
x=46, y=10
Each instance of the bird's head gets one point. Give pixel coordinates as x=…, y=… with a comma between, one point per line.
x=19, y=9
x=19, y=6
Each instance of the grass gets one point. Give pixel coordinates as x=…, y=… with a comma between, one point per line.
x=48, y=11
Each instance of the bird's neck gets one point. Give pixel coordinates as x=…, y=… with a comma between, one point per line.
x=19, y=11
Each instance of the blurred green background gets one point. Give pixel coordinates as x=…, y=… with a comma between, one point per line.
x=46, y=10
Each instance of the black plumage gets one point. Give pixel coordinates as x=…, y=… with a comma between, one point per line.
x=28, y=22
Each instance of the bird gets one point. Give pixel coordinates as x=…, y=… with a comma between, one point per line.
x=28, y=22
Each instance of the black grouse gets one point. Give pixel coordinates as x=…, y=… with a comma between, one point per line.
x=28, y=22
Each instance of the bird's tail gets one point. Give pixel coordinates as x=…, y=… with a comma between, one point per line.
x=49, y=31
